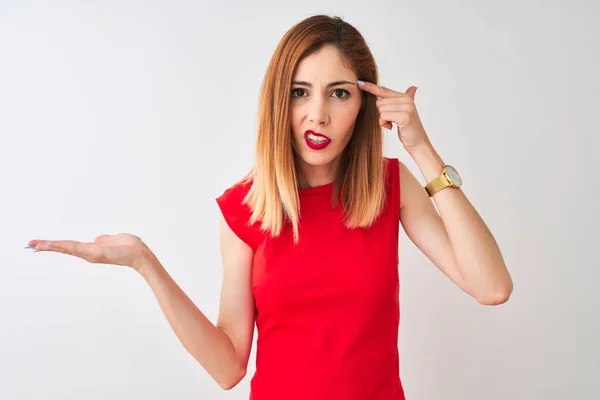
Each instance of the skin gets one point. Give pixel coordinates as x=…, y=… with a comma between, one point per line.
x=324, y=108
x=456, y=239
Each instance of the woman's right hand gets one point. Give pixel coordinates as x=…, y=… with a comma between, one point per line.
x=121, y=249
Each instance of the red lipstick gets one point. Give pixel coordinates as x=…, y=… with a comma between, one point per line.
x=315, y=140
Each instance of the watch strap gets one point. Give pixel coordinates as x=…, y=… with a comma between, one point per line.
x=436, y=185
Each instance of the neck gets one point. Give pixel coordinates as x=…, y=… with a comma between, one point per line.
x=317, y=175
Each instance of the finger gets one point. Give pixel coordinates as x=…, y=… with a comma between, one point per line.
x=400, y=118
x=92, y=252
x=379, y=91
x=396, y=107
x=33, y=243
x=403, y=99
x=37, y=245
x=385, y=123
x=60, y=246
x=411, y=91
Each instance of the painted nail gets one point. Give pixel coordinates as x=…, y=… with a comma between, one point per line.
x=29, y=247
x=360, y=83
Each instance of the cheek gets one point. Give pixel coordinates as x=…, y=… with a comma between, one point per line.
x=296, y=119
x=343, y=117
x=346, y=116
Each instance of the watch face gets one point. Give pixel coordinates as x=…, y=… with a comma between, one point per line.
x=453, y=175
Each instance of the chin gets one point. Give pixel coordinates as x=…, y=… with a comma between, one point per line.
x=318, y=158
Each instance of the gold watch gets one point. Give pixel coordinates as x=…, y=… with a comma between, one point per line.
x=449, y=178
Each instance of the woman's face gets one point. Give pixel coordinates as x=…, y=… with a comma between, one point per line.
x=324, y=100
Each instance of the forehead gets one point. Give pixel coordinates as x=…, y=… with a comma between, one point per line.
x=324, y=66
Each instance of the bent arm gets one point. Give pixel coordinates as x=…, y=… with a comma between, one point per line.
x=456, y=239
x=223, y=349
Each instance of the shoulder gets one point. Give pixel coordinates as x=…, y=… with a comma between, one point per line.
x=390, y=162
x=393, y=168
x=396, y=168
x=394, y=162
x=237, y=214
x=231, y=201
x=402, y=181
x=236, y=192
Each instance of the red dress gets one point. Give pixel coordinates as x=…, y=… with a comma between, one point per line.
x=328, y=308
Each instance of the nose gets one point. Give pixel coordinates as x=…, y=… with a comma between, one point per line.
x=317, y=112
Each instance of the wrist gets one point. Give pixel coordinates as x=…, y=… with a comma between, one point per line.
x=146, y=262
x=429, y=161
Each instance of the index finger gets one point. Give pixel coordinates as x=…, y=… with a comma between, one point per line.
x=379, y=91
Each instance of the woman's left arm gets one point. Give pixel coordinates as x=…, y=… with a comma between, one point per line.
x=456, y=239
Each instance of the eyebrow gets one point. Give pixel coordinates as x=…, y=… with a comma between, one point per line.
x=336, y=83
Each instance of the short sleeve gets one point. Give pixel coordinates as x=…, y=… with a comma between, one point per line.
x=237, y=215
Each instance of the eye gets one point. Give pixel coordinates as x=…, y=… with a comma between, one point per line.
x=341, y=93
x=295, y=92
x=338, y=93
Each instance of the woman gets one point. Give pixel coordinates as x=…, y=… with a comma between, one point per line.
x=309, y=238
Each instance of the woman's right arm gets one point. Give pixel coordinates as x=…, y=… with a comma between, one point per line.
x=223, y=349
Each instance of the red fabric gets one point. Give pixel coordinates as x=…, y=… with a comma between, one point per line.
x=327, y=308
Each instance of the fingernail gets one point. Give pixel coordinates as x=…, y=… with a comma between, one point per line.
x=360, y=83
x=29, y=247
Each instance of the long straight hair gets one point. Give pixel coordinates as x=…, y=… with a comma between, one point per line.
x=273, y=196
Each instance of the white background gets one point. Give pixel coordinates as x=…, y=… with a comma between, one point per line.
x=132, y=116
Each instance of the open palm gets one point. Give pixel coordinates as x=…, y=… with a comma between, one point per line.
x=121, y=249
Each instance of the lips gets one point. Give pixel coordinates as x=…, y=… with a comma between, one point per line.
x=320, y=143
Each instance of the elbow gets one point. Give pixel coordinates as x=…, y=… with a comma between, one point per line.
x=233, y=380
x=495, y=297
x=495, y=300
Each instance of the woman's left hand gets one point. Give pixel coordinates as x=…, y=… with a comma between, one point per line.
x=400, y=108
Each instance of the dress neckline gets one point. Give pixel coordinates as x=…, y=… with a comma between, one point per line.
x=322, y=189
